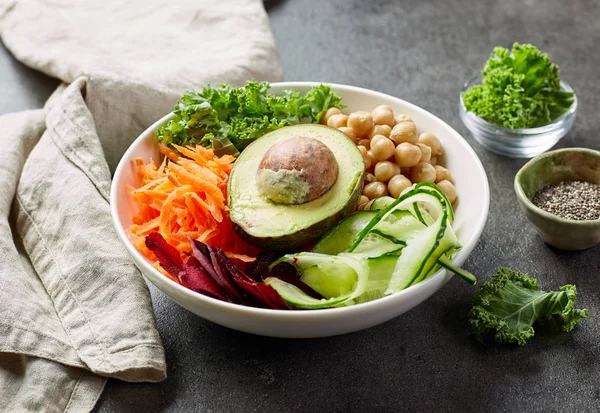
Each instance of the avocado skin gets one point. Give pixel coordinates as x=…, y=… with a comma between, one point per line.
x=308, y=235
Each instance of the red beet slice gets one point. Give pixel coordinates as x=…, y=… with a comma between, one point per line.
x=223, y=278
x=202, y=254
x=261, y=266
x=195, y=278
x=262, y=292
x=167, y=255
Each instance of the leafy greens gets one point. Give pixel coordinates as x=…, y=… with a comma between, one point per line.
x=229, y=118
x=519, y=89
x=508, y=305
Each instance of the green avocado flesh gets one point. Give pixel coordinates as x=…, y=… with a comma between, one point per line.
x=274, y=226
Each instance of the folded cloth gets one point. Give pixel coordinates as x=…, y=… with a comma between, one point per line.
x=73, y=307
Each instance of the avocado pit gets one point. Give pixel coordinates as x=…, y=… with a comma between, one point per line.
x=296, y=171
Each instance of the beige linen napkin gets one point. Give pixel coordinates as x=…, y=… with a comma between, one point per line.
x=73, y=307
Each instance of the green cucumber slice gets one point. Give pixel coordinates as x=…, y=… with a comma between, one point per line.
x=428, y=247
x=428, y=186
x=464, y=274
x=427, y=219
x=400, y=230
x=434, y=201
x=336, y=277
x=380, y=271
x=376, y=244
x=380, y=203
x=443, y=244
x=298, y=298
x=414, y=257
x=340, y=238
x=389, y=237
x=416, y=227
x=417, y=212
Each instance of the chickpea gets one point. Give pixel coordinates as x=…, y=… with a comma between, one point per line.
x=380, y=130
x=397, y=184
x=403, y=118
x=383, y=149
x=442, y=174
x=384, y=170
x=425, y=152
x=383, y=115
x=375, y=190
x=364, y=142
x=370, y=178
x=362, y=203
x=407, y=155
x=376, y=138
x=372, y=159
x=423, y=172
x=404, y=132
x=328, y=113
x=433, y=160
x=432, y=141
x=448, y=188
x=337, y=121
x=364, y=152
x=361, y=122
x=349, y=133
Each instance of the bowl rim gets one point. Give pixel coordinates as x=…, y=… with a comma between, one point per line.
x=528, y=203
x=149, y=271
x=509, y=133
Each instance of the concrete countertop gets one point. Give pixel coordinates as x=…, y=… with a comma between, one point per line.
x=424, y=360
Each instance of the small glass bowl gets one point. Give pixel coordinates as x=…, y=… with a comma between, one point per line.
x=516, y=143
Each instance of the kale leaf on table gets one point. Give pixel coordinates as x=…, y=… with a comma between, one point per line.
x=229, y=118
x=520, y=89
x=507, y=307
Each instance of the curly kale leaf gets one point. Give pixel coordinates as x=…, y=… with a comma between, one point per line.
x=229, y=118
x=520, y=89
x=318, y=100
x=508, y=306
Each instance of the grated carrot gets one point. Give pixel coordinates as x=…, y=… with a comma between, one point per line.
x=186, y=195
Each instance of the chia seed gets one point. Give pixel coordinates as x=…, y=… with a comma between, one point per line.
x=577, y=200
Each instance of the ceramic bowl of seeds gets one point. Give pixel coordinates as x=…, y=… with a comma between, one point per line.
x=560, y=194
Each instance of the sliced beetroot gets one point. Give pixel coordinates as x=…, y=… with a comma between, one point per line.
x=195, y=278
x=210, y=272
x=167, y=255
x=202, y=254
x=223, y=278
x=267, y=296
x=264, y=260
x=261, y=266
x=273, y=296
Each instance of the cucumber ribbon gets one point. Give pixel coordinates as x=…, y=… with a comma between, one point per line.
x=405, y=242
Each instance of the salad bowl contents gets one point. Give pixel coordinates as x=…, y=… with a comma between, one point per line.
x=248, y=205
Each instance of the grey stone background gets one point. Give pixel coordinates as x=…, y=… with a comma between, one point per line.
x=424, y=360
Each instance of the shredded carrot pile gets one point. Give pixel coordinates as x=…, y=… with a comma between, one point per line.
x=186, y=195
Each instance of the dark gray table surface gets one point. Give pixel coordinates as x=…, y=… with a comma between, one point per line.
x=424, y=360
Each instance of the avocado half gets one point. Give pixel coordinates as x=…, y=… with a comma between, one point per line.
x=273, y=226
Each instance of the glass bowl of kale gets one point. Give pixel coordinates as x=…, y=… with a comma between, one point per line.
x=518, y=106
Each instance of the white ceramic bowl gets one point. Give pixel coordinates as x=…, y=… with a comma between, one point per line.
x=470, y=216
